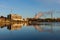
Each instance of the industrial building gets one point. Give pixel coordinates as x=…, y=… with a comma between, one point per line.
x=15, y=17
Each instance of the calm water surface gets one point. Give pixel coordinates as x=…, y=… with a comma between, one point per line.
x=44, y=31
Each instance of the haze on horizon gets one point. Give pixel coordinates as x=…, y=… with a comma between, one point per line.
x=28, y=8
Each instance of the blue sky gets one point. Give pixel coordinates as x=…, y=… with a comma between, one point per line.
x=28, y=8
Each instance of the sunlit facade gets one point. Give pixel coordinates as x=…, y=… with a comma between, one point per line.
x=15, y=17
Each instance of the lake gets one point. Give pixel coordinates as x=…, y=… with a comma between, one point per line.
x=25, y=31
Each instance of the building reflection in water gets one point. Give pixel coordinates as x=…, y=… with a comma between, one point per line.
x=18, y=25
x=13, y=26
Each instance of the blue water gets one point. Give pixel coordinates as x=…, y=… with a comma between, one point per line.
x=47, y=31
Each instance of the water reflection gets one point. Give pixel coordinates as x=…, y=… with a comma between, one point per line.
x=13, y=26
x=37, y=27
x=41, y=27
x=47, y=26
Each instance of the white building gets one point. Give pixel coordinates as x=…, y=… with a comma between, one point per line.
x=15, y=17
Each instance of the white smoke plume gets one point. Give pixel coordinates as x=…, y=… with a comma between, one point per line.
x=38, y=15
